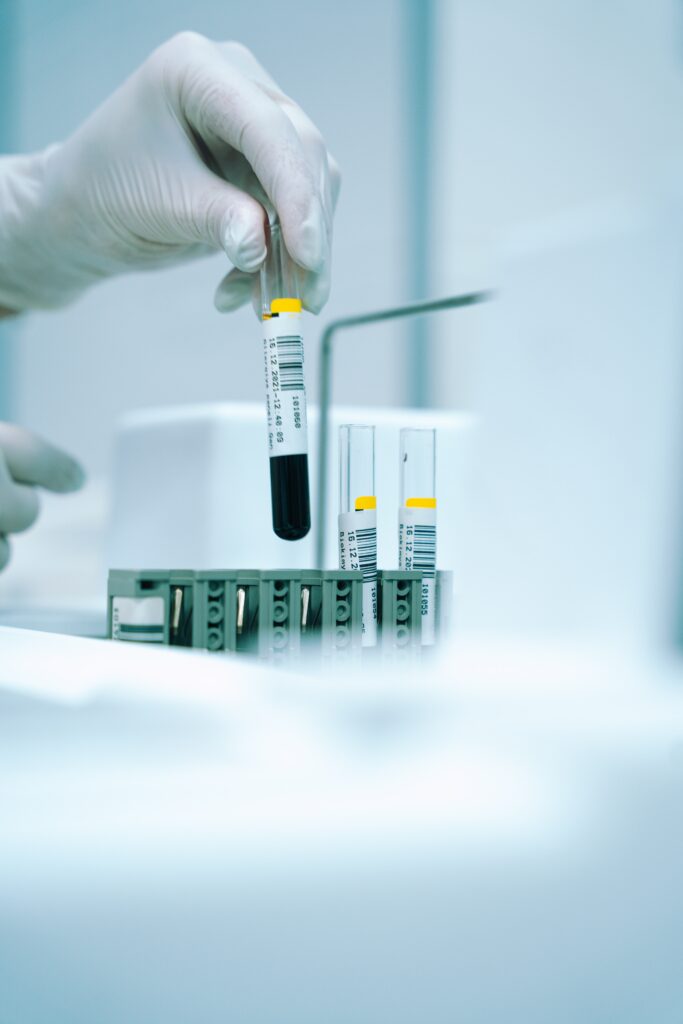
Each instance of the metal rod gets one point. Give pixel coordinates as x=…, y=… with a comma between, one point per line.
x=241, y=600
x=327, y=337
x=305, y=602
x=177, y=608
x=420, y=41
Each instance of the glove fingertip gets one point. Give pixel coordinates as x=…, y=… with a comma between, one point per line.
x=76, y=477
x=232, y=293
x=316, y=292
x=307, y=240
x=242, y=237
x=68, y=477
x=229, y=303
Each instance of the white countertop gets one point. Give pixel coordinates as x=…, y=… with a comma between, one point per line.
x=192, y=837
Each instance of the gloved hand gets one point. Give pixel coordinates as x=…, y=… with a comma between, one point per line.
x=26, y=463
x=179, y=162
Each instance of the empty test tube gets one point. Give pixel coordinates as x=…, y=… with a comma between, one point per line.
x=358, y=517
x=285, y=391
x=417, y=518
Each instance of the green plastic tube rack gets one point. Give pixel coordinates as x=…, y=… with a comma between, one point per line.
x=277, y=615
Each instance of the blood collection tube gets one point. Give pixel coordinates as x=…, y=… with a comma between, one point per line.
x=285, y=391
x=417, y=517
x=358, y=517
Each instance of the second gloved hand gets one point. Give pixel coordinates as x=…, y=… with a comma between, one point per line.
x=180, y=161
x=26, y=464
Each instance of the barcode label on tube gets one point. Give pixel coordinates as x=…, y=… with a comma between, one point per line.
x=417, y=553
x=285, y=393
x=358, y=551
x=366, y=539
x=290, y=357
x=424, y=549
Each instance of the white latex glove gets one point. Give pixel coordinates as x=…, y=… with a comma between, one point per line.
x=26, y=463
x=177, y=163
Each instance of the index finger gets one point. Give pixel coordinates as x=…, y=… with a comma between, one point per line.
x=217, y=98
x=312, y=142
x=19, y=504
x=31, y=460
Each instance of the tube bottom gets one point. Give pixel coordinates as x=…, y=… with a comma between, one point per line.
x=290, y=496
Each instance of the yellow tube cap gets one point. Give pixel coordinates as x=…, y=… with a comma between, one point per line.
x=285, y=306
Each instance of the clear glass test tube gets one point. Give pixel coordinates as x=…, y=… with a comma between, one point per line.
x=358, y=517
x=417, y=518
x=280, y=276
x=281, y=311
x=418, y=464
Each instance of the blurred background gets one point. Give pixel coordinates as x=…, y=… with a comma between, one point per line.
x=499, y=838
x=452, y=120
x=457, y=124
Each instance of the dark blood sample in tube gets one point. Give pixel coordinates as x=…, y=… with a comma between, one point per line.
x=285, y=391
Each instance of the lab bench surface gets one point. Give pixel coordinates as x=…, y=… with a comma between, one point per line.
x=186, y=838
x=72, y=622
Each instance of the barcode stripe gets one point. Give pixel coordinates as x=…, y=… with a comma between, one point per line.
x=366, y=540
x=290, y=361
x=424, y=550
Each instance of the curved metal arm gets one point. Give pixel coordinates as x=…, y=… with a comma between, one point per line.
x=328, y=335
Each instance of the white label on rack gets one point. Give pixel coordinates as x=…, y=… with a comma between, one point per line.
x=285, y=394
x=417, y=553
x=138, y=618
x=358, y=551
